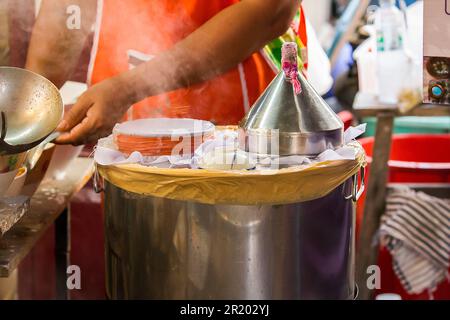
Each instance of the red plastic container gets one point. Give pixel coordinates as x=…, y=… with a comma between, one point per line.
x=347, y=118
x=414, y=159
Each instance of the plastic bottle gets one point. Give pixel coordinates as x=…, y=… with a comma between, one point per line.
x=392, y=60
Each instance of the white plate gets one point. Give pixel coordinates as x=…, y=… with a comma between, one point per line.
x=6, y=179
x=62, y=157
x=71, y=91
x=16, y=186
x=163, y=127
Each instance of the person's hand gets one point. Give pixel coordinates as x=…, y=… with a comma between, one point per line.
x=95, y=113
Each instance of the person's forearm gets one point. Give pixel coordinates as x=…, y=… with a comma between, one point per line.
x=219, y=45
x=55, y=48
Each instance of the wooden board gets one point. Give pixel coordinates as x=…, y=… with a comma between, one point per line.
x=49, y=201
x=366, y=105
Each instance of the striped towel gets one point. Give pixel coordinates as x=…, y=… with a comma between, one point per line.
x=416, y=231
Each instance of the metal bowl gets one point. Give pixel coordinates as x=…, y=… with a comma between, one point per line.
x=32, y=107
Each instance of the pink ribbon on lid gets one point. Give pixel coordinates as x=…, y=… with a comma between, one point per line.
x=290, y=66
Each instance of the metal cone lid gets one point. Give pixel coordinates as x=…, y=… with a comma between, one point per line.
x=305, y=124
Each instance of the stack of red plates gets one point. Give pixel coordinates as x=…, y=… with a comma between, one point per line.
x=179, y=111
x=162, y=136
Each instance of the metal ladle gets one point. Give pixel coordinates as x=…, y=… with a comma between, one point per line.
x=31, y=108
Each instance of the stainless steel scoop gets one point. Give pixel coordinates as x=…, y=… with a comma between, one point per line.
x=31, y=108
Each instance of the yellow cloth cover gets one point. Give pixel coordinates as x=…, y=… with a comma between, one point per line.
x=295, y=184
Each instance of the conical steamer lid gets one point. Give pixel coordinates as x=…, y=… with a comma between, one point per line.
x=290, y=117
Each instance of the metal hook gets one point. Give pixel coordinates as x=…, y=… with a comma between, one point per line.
x=356, y=193
x=97, y=182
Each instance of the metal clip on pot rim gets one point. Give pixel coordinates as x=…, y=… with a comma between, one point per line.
x=356, y=194
x=98, y=181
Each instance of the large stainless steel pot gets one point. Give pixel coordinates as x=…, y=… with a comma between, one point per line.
x=165, y=249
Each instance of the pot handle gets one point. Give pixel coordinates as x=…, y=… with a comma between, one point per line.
x=356, y=193
x=98, y=182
